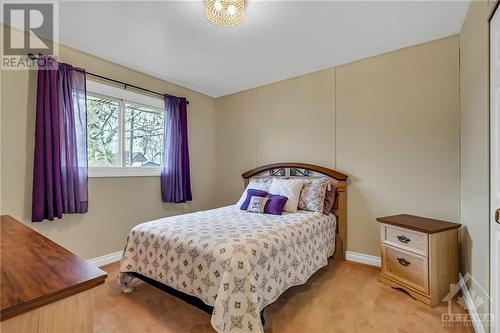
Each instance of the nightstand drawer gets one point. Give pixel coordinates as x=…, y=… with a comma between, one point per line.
x=405, y=239
x=410, y=269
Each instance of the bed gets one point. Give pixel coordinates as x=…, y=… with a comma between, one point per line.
x=231, y=263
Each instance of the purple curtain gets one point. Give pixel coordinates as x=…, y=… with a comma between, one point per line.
x=175, y=178
x=60, y=164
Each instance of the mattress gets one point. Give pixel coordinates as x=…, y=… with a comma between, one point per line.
x=235, y=261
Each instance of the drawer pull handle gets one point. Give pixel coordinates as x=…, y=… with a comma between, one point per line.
x=403, y=262
x=404, y=239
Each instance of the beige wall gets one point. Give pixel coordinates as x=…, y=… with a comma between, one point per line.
x=397, y=137
x=390, y=122
x=274, y=123
x=474, y=142
x=116, y=204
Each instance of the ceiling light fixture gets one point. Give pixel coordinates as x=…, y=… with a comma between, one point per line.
x=225, y=13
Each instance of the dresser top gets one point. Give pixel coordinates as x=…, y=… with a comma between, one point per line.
x=418, y=223
x=36, y=271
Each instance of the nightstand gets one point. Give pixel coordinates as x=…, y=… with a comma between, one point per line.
x=420, y=256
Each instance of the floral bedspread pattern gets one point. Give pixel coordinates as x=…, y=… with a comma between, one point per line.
x=235, y=261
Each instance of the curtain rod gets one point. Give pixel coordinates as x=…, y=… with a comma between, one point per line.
x=124, y=84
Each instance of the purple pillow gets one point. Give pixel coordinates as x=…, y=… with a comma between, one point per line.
x=329, y=200
x=275, y=204
x=252, y=193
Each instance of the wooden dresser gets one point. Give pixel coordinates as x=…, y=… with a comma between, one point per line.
x=44, y=287
x=420, y=256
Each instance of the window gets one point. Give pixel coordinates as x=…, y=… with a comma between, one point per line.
x=143, y=136
x=103, y=131
x=125, y=132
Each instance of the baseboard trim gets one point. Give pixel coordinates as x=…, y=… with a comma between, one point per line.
x=349, y=255
x=362, y=258
x=106, y=259
x=471, y=308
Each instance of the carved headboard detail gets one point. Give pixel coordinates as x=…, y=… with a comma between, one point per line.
x=304, y=170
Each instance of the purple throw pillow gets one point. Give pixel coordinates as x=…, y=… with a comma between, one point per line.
x=252, y=193
x=329, y=200
x=275, y=204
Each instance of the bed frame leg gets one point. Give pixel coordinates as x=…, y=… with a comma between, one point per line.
x=262, y=319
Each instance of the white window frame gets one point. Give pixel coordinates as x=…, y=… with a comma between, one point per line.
x=124, y=96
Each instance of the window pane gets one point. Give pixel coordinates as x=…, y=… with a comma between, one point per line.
x=143, y=136
x=103, y=131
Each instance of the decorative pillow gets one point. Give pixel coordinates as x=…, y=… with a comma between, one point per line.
x=256, y=184
x=252, y=193
x=275, y=204
x=257, y=205
x=312, y=196
x=329, y=199
x=289, y=188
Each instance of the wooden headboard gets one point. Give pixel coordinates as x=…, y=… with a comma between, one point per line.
x=303, y=170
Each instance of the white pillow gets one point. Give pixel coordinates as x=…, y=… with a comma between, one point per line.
x=289, y=188
x=257, y=205
x=312, y=196
x=255, y=184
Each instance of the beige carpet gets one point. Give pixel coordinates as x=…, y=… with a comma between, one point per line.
x=342, y=297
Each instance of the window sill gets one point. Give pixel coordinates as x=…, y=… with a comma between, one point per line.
x=109, y=172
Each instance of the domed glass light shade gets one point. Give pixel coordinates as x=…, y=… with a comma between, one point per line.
x=225, y=13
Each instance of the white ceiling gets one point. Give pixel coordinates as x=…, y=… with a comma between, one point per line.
x=277, y=39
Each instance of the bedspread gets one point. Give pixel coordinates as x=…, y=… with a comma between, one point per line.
x=235, y=261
